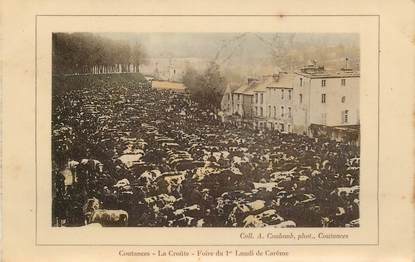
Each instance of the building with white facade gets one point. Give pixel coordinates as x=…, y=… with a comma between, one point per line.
x=326, y=102
x=274, y=103
x=237, y=104
x=312, y=101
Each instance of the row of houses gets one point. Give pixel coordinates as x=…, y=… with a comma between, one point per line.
x=312, y=101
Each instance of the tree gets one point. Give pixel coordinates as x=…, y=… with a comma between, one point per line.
x=137, y=56
x=189, y=78
x=207, y=88
x=90, y=53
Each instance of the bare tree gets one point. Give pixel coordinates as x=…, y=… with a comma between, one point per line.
x=206, y=88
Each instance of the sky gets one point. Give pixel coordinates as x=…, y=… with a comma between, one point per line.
x=242, y=54
x=206, y=45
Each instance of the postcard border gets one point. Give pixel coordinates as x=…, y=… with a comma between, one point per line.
x=210, y=15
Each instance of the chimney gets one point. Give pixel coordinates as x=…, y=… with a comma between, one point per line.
x=251, y=80
x=276, y=76
x=346, y=67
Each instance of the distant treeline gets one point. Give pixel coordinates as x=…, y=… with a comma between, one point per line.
x=87, y=53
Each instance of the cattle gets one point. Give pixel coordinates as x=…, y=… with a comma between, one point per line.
x=200, y=222
x=192, y=211
x=201, y=172
x=231, y=176
x=353, y=162
x=170, y=180
x=282, y=175
x=130, y=159
x=89, y=207
x=353, y=223
x=132, y=150
x=241, y=210
x=122, y=183
x=253, y=221
x=269, y=186
x=149, y=176
x=304, y=199
x=167, y=199
x=182, y=222
x=109, y=217
x=346, y=191
x=183, y=164
x=91, y=165
x=72, y=164
x=268, y=217
x=326, y=222
x=286, y=224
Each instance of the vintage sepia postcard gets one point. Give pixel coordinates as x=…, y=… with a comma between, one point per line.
x=207, y=133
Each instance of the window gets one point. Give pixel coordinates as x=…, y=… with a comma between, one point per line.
x=301, y=81
x=275, y=111
x=262, y=111
x=343, y=82
x=323, y=82
x=343, y=99
x=269, y=111
x=282, y=127
x=289, y=128
x=262, y=98
x=256, y=111
x=323, y=98
x=289, y=112
x=282, y=111
x=345, y=116
x=282, y=93
x=256, y=98
x=289, y=94
x=301, y=98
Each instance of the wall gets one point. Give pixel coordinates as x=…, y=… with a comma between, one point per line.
x=313, y=111
x=301, y=109
x=247, y=106
x=333, y=107
x=274, y=99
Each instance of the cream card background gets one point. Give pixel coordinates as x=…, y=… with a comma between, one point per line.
x=26, y=34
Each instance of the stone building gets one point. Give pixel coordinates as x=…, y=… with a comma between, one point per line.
x=327, y=102
x=312, y=101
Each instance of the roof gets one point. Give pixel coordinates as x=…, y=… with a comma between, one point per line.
x=240, y=89
x=282, y=80
x=233, y=87
x=261, y=87
x=247, y=89
x=343, y=73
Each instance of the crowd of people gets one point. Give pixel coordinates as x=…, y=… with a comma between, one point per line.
x=125, y=154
